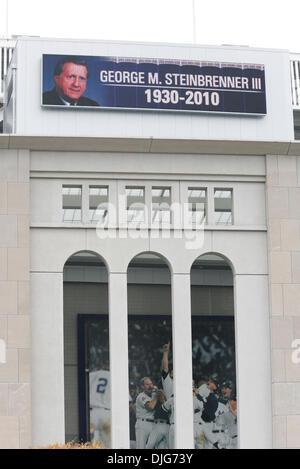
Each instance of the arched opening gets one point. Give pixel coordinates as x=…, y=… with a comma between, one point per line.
x=213, y=353
x=86, y=349
x=150, y=352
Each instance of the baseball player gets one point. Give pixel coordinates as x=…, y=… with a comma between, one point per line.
x=132, y=413
x=232, y=423
x=168, y=407
x=145, y=404
x=226, y=390
x=198, y=422
x=228, y=422
x=99, y=388
x=159, y=436
x=160, y=433
x=210, y=436
x=207, y=388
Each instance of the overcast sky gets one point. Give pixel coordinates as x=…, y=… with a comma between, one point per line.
x=259, y=23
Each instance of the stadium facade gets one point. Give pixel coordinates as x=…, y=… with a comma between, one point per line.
x=235, y=170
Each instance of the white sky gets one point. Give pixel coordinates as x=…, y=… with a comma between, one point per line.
x=261, y=23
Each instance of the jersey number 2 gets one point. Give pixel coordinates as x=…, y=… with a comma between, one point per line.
x=102, y=385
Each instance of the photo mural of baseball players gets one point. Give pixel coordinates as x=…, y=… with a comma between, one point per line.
x=150, y=352
x=213, y=351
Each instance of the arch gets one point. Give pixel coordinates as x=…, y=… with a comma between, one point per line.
x=150, y=334
x=86, y=330
x=216, y=253
x=214, y=344
x=81, y=251
x=155, y=253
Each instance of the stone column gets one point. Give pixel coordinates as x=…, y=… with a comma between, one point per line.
x=15, y=421
x=182, y=356
x=283, y=209
x=252, y=331
x=118, y=347
x=48, y=419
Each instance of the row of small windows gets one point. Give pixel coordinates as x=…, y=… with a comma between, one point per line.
x=161, y=205
x=72, y=203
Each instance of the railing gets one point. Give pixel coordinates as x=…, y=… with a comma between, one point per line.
x=295, y=80
x=6, y=51
x=7, y=47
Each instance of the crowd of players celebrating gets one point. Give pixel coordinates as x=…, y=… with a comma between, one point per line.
x=151, y=400
x=152, y=412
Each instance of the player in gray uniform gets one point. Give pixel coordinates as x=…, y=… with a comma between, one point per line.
x=210, y=436
x=168, y=406
x=232, y=423
x=99, y=391
x=228, y=422
x=145, y=405
x=207, y=388
x=198, y=422
x=159, y=437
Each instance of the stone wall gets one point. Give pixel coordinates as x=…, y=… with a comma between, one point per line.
x=15, y=421
x=283, y=204
x=283, y=208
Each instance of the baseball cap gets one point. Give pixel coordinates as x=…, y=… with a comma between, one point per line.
x=227, y=384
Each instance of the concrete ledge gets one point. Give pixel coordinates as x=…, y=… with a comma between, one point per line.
x=148, y=145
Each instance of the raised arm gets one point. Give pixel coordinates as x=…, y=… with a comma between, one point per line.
x=165, y=359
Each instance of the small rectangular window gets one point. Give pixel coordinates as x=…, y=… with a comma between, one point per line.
x=71, y=203
x=161, y=206
x=98, y=203
x=223, y=206
x=135, y=204
x=197, y=206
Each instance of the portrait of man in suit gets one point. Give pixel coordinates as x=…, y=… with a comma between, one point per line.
x=70, y=78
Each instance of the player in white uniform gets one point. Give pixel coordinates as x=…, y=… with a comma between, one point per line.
x=168, y=407
x=205, y=389
x=159, y=436
x=198, y=422
x=231, y=423
x=145, y=405
x=219, y=428
x=99, y=387
x=228, y=422
x=210, y=436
